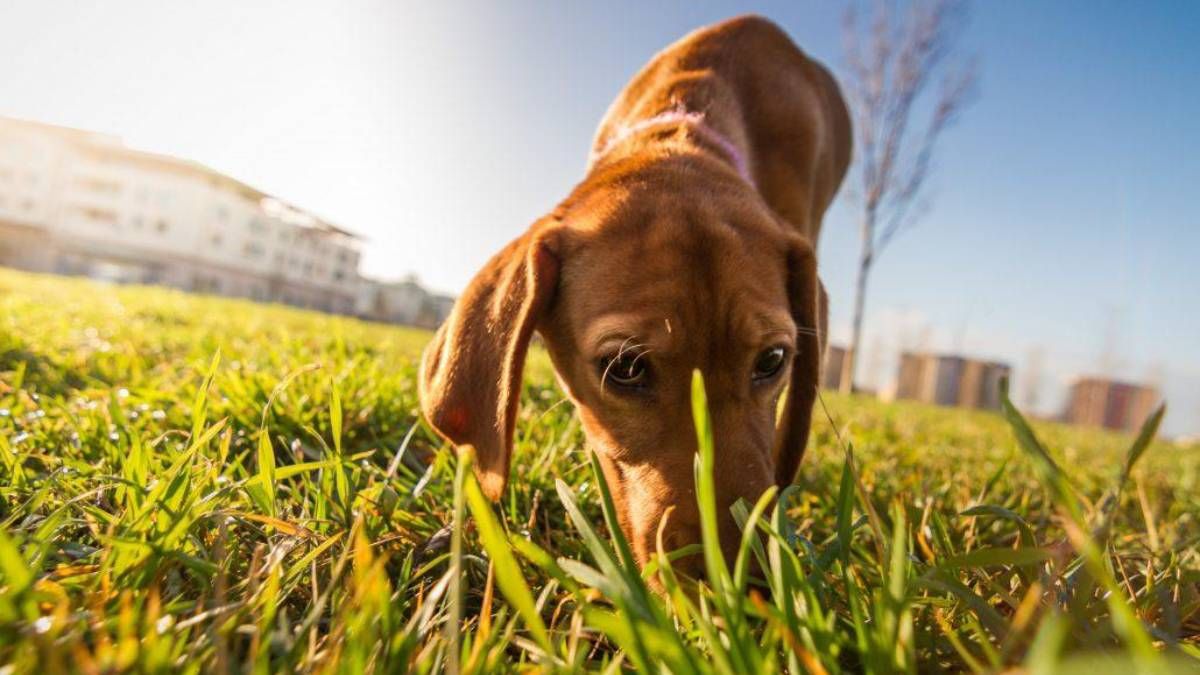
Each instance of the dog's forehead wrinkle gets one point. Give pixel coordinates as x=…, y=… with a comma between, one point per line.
x=713, y=307
x=629, y=332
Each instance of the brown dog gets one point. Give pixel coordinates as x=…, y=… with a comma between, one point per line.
x=689, y=244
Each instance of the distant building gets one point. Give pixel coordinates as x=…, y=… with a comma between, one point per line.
x=950, y=380
x=79, y=203
x=1101, y=402
x=835, y=363
x=405, y=302
x=435, y=310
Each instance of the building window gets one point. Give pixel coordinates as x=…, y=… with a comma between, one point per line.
x=216, y=240
x=222, y=214
x=98, y=215
x=206, y=284
x=253, y=249
x=99, y=186
x=161, y=226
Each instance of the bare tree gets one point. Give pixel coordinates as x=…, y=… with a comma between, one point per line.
x=892, y=58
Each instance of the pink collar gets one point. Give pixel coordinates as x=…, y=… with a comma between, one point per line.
x=678, y=115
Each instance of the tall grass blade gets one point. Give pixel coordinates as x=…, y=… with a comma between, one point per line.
x=266, y=470
x=455, y=602
x=335, y=416
x=200, y=403
x=508, y=572
x=706, y=492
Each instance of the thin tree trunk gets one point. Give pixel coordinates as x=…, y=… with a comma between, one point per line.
x=865, y=258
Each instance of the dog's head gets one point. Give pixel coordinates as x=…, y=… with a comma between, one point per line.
x=633, y=284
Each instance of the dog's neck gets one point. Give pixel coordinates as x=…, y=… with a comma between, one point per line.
x=678, y=116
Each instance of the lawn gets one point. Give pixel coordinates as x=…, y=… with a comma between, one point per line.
x=194, y=484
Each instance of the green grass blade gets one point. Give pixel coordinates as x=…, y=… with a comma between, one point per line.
x=1028, y=540
x=990, y=557
x=845, y=512
x=1043, y=656
x=610, y=515
x=266, y=470
x=16, y=574
x=508, y=571
x=335, y=416
x=1146, y=434
x=461, y=476
x=1048, y=470
x=749, y=534
x=706, y=491
x=601, y=553
x=200, y=403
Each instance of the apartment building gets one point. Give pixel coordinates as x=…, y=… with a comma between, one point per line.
x=80, y=203
x=950, y=380
x=1122, y=406
x=836, y=362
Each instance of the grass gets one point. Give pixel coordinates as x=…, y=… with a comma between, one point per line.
x=199, y=484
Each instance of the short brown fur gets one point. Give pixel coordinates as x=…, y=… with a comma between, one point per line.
x=666, y=245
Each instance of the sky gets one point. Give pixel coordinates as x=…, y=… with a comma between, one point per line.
x=1062, y=232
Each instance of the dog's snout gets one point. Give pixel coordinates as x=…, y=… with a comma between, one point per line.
x=690, y=564
x=679, y=537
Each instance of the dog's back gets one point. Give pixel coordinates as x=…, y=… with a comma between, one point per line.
x=756, y=87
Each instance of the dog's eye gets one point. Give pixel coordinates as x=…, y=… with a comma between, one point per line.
x=769, y=362
x=626, y=369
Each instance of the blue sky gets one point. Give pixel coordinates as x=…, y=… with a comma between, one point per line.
x=1063, y=218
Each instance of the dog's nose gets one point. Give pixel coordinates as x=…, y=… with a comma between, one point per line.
x=678, y=537
x=686, y=534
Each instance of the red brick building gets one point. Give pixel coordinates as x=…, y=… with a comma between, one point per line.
x=1102, y=402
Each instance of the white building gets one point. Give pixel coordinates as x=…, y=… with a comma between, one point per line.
x=74, y=202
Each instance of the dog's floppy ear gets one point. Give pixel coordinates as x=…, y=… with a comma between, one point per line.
x=470, y=378
x=809, y=308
